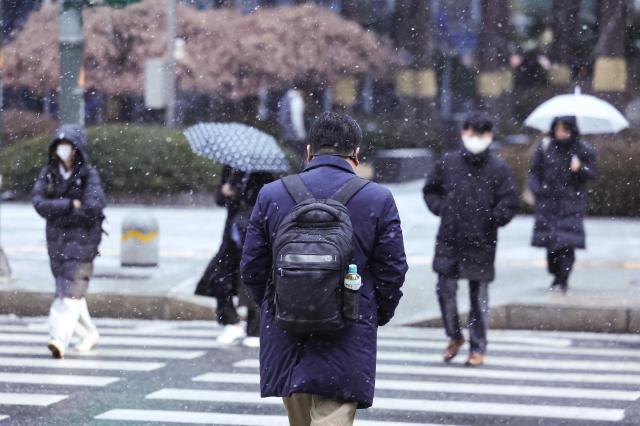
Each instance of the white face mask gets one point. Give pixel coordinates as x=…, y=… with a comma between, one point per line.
x=476, y=144
x=64, y=151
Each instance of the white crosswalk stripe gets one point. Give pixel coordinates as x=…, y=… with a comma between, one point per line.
x=194, y=417
x=106, y=352
x=528, y=363
x=57, y=379
x=123, y=341
x=119, y=331
x=34, y=399
x=79, y=364
x=432, y=406
x=447, y=387
x=454, y=371
x=509, y=347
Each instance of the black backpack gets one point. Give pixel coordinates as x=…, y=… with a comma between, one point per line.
x=311, y=255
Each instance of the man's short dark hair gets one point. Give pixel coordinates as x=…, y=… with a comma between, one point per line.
x=335, y=133
x=478, y=122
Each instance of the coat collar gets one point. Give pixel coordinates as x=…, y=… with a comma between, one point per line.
x=329, y=161
x=476, y=159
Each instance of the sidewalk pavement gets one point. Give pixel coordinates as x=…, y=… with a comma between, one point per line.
x=605, y=292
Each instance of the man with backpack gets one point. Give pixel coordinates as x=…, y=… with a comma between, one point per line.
x=309, y=237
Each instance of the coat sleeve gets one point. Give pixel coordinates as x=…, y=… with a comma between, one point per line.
x=48, y=208
x=506, y=197
x=255, y=265
x=93, y=199
x=389, y=262
x=433, y=191
x=534, y=178
x=589, y=169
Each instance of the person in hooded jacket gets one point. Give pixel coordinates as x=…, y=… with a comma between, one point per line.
x=559, y=172
x=474, y=193
x=69, y=195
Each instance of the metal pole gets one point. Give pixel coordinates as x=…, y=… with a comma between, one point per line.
x=71, y=58
x=170, y=80
x=5, y=269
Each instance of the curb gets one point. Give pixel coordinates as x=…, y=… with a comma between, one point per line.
x=557, y=318
x=112, y=305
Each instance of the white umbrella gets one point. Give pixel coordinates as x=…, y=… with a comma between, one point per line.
x=594, y=115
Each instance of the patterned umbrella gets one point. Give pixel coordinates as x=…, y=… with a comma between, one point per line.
x=237, y=145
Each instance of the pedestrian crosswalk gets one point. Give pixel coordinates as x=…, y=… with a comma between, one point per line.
x=160, y=372
x=29, y=377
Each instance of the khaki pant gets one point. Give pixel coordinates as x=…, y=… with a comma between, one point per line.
x=315, y=410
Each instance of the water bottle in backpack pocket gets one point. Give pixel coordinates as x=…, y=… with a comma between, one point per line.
x=351, y=295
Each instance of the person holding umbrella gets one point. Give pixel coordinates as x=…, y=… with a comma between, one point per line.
x=252, y=159
x=559, y=172
x=220, y=278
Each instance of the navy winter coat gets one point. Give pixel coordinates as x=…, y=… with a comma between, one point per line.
x=473, y=195
x=73, y=235
x=560, y=194
x=343, y=365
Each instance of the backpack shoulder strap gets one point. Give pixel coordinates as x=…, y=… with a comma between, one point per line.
x=349, y=190
x=296, y=188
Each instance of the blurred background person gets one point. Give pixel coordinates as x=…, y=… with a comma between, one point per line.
x=69, y=195
x=237, y=192
x=559, y=172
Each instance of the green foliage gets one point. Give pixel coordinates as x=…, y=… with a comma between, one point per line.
x=616, y=192
x=132, y=161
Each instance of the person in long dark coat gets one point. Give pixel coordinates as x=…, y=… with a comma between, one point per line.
x=221, y=279
x=474, y=193
x=560, y=170
x=69, y=195
x=333, y=373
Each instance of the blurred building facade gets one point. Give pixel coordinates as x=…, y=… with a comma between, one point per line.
x=451, y=63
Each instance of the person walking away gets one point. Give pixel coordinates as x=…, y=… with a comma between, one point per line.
x=292, y=122
x=559, y=172
x=69, y=195
x=221, y=279
x=252, y=183
x=474, y=193
x=324, y=258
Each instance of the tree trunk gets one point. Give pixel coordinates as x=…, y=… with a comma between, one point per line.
x=563, y=49
x=495, y=79
x=416, y=82
x=610, y=71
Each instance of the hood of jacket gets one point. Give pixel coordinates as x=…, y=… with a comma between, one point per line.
x=74, y=134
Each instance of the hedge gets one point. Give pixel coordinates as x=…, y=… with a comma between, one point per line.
x=616, y=192
x=133, y=161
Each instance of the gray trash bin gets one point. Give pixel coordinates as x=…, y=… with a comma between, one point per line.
x=140, y=240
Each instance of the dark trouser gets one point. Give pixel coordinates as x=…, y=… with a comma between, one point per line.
x=560, y=263
x=227, y=313
x=478, y=322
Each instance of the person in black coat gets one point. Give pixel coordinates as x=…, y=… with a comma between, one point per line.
x=474, y=193
x=221, y=279
x=559, y=171
x=69, y=195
